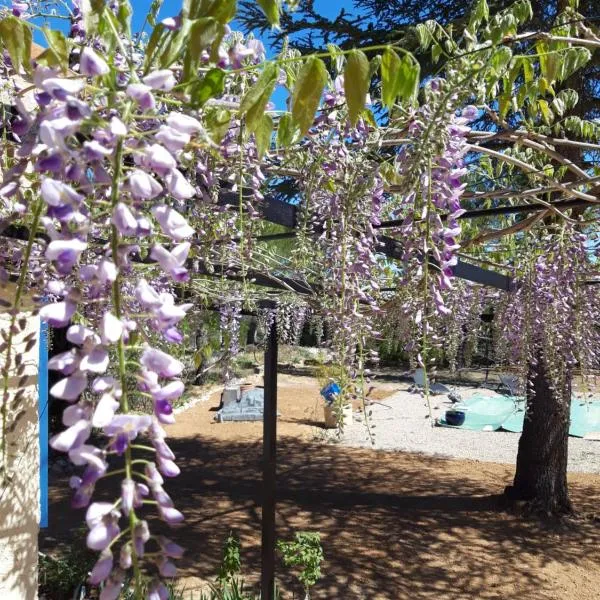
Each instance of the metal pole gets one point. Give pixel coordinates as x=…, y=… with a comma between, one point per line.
x=267, y=581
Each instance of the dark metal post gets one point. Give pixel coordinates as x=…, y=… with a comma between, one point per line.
x=267, y=581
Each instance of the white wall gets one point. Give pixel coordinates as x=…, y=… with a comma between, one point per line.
x=19, y=496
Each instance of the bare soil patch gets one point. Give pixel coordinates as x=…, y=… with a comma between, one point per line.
x=394, y=525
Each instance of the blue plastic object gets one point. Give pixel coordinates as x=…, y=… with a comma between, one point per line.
x=455, y=417
x=43, y=422
x=330, y=391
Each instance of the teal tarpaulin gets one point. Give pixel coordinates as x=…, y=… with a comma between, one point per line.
x=490, y=413
x=485, y=413
x=585, y=417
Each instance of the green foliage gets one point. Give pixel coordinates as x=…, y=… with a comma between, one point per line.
x=587, y=130
x=91, y=11
x=262, y=133
x=356, y=83
x=57, y=54
x=304, y=551
x=229, y=586
x=60, y=577
x=231, y=562
x=307, y=93
x=271, y=8
x=254, y=102
x=235, y=590
x=175, y=593
x=203, y=33
x=15, y=37
x=399, y=77
x=210, y=86
x=287, y=130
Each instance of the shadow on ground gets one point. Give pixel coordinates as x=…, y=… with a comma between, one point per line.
x=393, y=525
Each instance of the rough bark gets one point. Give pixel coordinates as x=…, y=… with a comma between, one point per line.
x=541, y=473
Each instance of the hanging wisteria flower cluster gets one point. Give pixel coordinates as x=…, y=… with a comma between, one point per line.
x=552, y=315
x=89, y=156
x=431, y=167
x=343, y=194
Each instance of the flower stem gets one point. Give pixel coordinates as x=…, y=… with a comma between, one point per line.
x=116, y=297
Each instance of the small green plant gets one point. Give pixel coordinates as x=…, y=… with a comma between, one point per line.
x=175, y=592
x=231, y=564
x=229, y=586
x=60, y=577
x=304, y=551
x=234, y=590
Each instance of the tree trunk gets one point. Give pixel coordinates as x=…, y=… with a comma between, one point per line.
x=541, y=473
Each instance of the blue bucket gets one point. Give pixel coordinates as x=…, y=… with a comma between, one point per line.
x=455, y=417
x=330, y=391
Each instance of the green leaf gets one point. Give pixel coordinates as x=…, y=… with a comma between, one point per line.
x=254, y=102
x=263, y=133
x=549, y=61
x=210, y=86
x=123, y=15
x=286, y=130
x=390, y=77
x=157, y=39
x=527, y=69
x=374, y=65
x=58, y=47
x=565, y=101
x=307, y=93
x=522, y=10
x=154, y=9
x=356, y=83
x=217, y=123
x=504, y=101
x=174, y=45
x=572, y=60
x=409, y=76
x=15, y=36
x=480, y=13
x=500, y=60
x=202, y=34
x=271, y=9
x=546, y=112
x=221, y=10
x=369, y=118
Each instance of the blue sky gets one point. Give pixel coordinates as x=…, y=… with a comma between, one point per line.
x=328, y=8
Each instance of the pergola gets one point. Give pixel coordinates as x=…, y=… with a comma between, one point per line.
x=286, y=215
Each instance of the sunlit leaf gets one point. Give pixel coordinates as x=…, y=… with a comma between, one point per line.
x=255, y=101
x=262, y=133
x=286, y=130
x=356, y=83
x=15, y=36
x=210, y=86
x=390, y=77
x=202, y=34
x=271, y=9
x=91, y=11
x=58, y=52
x=307, y=93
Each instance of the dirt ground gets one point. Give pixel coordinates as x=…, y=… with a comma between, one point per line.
x=393, y=525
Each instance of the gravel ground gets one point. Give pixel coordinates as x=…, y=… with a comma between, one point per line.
x=401, y=423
